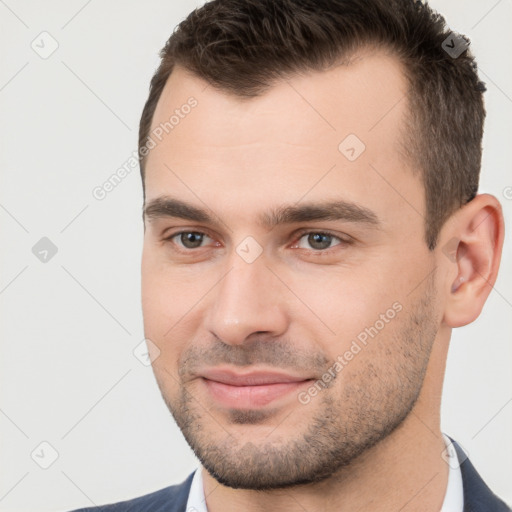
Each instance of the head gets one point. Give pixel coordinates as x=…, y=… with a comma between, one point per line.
x=309, y=214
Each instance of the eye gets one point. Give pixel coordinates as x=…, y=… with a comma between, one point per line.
x=319, y=241
x=188, y=239
x=312, y=241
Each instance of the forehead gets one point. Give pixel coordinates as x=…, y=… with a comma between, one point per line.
x=353, y=97
x=297, y=138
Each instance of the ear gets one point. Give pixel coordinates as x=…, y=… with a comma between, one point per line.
x=471, y=252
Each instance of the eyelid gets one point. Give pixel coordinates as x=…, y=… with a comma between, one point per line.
x=340, y=236
x=169, y=237
x=344, y=239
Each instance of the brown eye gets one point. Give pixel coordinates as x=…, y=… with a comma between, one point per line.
x=191, y=240
x=188, y=239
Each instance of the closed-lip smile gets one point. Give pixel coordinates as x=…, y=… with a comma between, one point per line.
x=252, y=389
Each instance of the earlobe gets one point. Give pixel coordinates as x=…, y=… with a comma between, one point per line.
x=474, y=253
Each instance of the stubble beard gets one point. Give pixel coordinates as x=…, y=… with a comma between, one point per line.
x=368, y=408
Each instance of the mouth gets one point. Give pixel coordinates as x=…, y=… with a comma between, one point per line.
x=250, y=390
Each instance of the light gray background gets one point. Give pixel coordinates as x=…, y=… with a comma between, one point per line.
x=69, y=326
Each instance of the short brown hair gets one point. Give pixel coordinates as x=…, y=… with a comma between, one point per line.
x=242, y=47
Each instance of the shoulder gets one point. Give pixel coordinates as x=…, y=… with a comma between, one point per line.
x=170, y=499
x=477, y=495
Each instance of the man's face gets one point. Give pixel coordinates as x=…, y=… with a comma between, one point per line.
x=250, y=319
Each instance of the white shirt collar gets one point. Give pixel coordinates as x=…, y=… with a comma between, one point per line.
x=453, y=499
x=196, y=501
x=454, y=496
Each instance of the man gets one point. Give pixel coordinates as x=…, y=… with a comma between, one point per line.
x=313, y=233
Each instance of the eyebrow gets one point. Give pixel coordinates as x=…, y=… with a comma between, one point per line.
x=340, y=210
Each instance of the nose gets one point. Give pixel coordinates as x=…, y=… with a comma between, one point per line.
x=249, y=299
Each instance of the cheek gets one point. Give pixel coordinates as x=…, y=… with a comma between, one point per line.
x=171, y=303
x=169, y=296
x=346, y=304
x=151, y=296
x=163, y=290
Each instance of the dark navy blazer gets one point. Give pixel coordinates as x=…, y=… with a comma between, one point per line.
x=477, y=496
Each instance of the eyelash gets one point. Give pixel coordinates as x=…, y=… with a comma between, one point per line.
x=297, y=238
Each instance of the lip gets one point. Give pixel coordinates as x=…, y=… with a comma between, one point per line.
x=252, y=389
x=251, y=378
